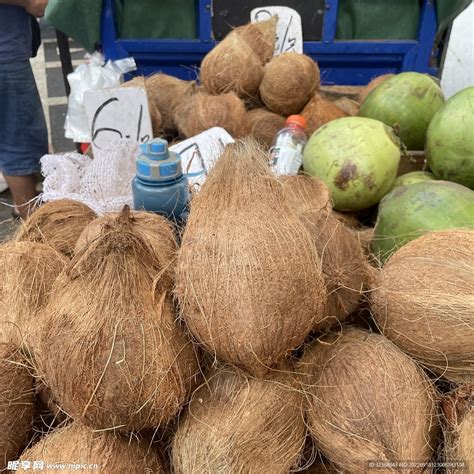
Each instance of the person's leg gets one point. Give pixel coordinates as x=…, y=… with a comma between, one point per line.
x=23, y=189
x=23, y=134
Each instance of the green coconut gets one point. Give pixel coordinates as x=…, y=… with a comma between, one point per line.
x=407, y=101
x=408, y=212
x=412, y=178
x=450, y=139
x=357, y=158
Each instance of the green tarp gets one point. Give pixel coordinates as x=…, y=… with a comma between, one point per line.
x=385, y=19
x=357, y=19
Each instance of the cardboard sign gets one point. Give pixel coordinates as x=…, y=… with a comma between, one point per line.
x=289, y=34
x=200, y=153
x=117, y=113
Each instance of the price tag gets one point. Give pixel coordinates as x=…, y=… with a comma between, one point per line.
x=289, y=34
x=201, y=152
x=117, y=113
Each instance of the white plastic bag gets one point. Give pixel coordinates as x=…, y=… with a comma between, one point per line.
x=92, y=75
x=201, y=152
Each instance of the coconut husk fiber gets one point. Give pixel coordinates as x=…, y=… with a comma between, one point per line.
x=367, y=401
x=372, y=85
x=344, y=265
x=288, y=83
x=260, y=37
x=365, y=236
x=76, y=445
x=204, y=111
x=348, y=106
x=58, y=224
x=264, y=126
x=155, y=113
x=249, y=279
x=305, y=193
x=349, y=219
x=424, y=302
x=126, y=363
x=232, y=66
x=319, y=111
x=154, y=229
x=343, y=262
x=47, y=403
x=29, y=270
x=458, y=408
x=16, y=403
x=166, y=93
x=239, y=424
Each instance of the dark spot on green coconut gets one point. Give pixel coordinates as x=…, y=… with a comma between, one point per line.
x=420, y=93
x=369, y=181
x=347, y=173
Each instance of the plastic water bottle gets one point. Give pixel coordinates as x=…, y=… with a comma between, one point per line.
x=286, y=154
x=160, y=185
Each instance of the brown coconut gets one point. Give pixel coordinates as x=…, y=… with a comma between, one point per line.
x=260, y=37
x=125, y=362
x=423, y=301
x=458, y=408
x=155, y=113
x=344, y=264
x=342, y=256
x=348, y=218
x=29, y=270
x=365, y=236
x=264, y=125
x=156, y=229
x=16, y=403
x=58, y=224
x=204, y=111
x=248, y=276
x=319, y=111
x=289, y=81
x=47, y=403
x=372, y=85
x=232, y=66
x=239, y=424
x=305, y=193
x=348, y=106
x=367, y=401
x=77, y=445
x=166, y=93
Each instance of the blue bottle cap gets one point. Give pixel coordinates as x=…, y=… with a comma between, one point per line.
x=156, y=163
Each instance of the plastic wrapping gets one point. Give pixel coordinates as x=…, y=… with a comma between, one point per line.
x=104, y=183
x=92, y=75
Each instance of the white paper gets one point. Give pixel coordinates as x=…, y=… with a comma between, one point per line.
x=117, y=113
x=200, y=153
x=289, y=34
x=3, y=184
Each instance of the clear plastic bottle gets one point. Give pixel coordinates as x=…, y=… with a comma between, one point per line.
x=286, y=154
